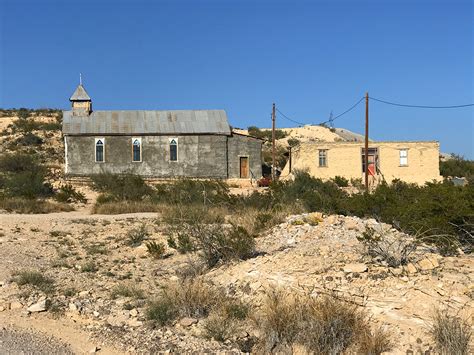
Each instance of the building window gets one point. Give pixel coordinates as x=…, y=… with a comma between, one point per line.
x=373, y=161
x=403, y=157
x=137, y=149
x=323, y=158
x=173, y=149
x=99, y=149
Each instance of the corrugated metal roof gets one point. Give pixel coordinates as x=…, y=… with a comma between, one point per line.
x=80, y=94
x=147, y=122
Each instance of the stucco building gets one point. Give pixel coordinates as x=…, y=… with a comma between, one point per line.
x=156, y=144
x=413, y=162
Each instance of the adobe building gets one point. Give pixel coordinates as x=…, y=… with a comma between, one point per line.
x=412, y=162
x=156, y=144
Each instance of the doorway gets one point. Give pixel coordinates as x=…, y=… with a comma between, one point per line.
x=244, y=167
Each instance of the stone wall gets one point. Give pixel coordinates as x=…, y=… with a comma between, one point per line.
x=244, y=146
x=204, y=156
x=198, y=156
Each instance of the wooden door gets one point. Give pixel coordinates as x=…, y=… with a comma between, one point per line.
x=244, y=167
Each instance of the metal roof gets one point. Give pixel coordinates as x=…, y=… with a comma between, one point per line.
x=80, y=94
x=147, y=122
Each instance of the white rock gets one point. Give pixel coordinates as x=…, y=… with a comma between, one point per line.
x=359, y=267
x=38, y=307
x=15, y=305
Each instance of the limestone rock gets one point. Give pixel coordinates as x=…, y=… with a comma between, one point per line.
x=15, y=305
x=359, y=267
x=187, y=321
x=411, y=269
x=426, y=264
x=40, y=306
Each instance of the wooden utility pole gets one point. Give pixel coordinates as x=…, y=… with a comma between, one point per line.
x=366, y=155
x=273, y=142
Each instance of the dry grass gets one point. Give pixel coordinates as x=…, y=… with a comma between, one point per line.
x=321, y=325
x=28, y=206
x=35, y=279
x=451, y=334
x=127, y=290
x=122, y=207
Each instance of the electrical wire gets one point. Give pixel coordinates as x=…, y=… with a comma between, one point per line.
x=290, y=119
x=346, y=111
x=419, y=106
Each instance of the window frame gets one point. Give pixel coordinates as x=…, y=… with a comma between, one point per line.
x=325, y=157
x=102, y=140
x=176, y=143
x=405, y=157
x=140, y=147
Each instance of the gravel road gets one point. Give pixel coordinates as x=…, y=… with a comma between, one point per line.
x=13, y=342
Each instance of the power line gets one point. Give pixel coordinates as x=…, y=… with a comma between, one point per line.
x=419, y=106
x=346, y=111
x=290, y=119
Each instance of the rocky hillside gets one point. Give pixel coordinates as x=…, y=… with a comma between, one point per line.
x=102, y=283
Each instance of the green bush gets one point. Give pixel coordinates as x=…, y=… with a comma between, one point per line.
x=341, y=181
x=35, y=279
x=457, y=166
x=67, y=193
x=156, y=250
x=121, y=187
x=215, y=243
x=136, y=236
x=267, y=133
x=293, y=142
x=187, y=191
x=22, y=205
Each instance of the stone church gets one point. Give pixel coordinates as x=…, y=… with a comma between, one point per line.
x=156, y=144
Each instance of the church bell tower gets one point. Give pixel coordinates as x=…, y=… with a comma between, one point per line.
x=81, y=101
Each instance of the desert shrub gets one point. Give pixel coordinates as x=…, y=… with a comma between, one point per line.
x=322, y=325
x=226, y=320
x=127, y=290
x=52, y=126
x=156, y=250
x=186, y=298
x=393, y=250
x=67, y=193
x=89, y=266
x=136, y=236
x=457, y=166
x=29, y=139
x=177, y=214
x=28, y=206
x=375, y=342
x=293, y=142
x=434, y=211
x=122, y=187
x=451, y=334
x=216, y=244
x=188, y=191
x=314, y=194
x=23, y=113
x=341, y=181
x=161, y=311
x=35, y=279
x=266, y=134
x=22, y=176
x=121, y=207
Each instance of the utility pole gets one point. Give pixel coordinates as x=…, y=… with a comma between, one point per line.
x=273, y=142
x=366, y=155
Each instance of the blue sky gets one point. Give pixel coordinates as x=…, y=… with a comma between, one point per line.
x=309, y=57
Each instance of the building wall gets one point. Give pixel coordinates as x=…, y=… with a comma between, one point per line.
x=345, y=159
x=198, y=156
x=204, y=156
x=242, y=146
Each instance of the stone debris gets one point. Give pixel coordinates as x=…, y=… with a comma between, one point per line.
x=355, y=268
x=40, y=306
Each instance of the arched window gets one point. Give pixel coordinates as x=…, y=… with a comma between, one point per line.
x=99, y=149
x=136, y=149
x=173, y=149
